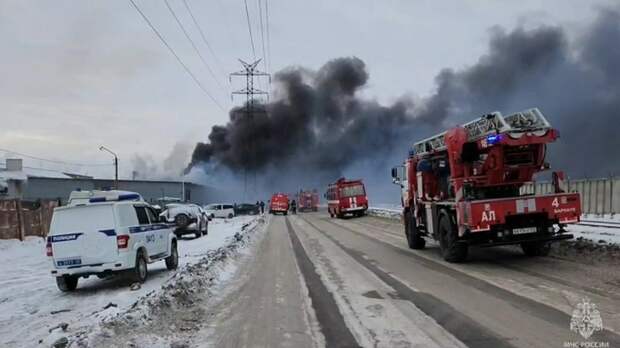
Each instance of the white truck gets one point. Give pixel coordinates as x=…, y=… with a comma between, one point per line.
x=110, y=233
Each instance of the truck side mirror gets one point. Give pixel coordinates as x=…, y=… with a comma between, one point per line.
x=396, y=179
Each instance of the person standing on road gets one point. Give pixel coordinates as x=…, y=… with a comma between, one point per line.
x=262, y=207
x=294, y=207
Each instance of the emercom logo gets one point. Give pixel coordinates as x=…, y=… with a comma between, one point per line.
x=586, y=319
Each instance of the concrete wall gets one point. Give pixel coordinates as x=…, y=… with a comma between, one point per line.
x=598, y=196
x=54, y=188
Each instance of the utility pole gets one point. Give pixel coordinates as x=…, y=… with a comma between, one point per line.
x=249, y=72
x=103, y=148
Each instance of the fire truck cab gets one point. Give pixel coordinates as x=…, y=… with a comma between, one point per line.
x=462, y=187
x=346, y=197
x=279, y=203
x=308, y=200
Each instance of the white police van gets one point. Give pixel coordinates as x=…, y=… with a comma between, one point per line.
x=111, y=231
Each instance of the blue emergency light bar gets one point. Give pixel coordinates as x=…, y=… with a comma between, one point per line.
x=123, y=197
x=493, y=139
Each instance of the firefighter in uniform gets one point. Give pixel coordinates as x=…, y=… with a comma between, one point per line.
x=294, y=207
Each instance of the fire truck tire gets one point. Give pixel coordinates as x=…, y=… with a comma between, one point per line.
x=451, y=249
x=536, y=248
x=285, y=213
x=414, y=238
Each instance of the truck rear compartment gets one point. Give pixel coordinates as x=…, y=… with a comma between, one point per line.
x=83, y=236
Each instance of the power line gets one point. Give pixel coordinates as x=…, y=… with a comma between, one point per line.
x=192, y=42
x=262, y=33
x=267, y=30
x=203, y=36
x=247, y=14
x=56, y=161
x=175, y=55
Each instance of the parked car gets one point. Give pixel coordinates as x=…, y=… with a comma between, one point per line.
x=220, y=210
x=188, y=218
x=247, y=209
x=105, y=235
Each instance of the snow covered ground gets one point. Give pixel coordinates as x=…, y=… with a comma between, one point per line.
x=592, y=227
x=31, y=305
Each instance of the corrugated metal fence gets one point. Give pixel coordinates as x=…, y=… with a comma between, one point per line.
x=19, y=219
x=598, y=196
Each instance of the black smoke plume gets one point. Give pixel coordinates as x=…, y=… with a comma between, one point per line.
x=318, y=127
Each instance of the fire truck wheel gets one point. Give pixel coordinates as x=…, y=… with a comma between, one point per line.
x=536, y=248
x=451, y=249
x=414, y=239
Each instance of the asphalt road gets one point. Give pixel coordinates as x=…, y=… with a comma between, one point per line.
x=316, y=281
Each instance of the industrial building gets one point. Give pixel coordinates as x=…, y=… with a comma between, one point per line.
x=31, y=184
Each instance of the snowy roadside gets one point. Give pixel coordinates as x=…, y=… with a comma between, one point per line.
x=31, y=305
x=388, y=211
x=604, y=232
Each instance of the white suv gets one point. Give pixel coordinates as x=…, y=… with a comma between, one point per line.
x=220, y=210
x=107, y=235
x=188, y=218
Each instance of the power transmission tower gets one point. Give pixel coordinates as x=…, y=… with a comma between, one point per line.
x=250, y=71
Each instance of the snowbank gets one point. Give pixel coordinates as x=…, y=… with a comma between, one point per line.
x=596, y=233
x=388, y=211
x=30, y=303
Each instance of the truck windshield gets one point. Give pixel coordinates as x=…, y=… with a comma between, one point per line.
x=350, y=191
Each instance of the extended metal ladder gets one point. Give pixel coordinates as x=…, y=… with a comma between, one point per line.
x=493, y=123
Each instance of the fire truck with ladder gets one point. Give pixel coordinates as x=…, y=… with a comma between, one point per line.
x=308, y=200
x=463, y=187
x=346, y=197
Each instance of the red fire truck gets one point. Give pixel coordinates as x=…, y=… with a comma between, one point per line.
x=346, y=197
x=308, y=200
x=279, y=203
x=463, y=187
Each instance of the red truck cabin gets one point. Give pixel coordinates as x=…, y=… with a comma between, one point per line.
x=279, y=203
x=346, y=197
x=308, y=200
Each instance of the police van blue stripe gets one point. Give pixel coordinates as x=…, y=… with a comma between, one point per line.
x=109, y=232
x=147, y=228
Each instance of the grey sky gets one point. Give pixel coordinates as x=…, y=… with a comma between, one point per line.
x=78, y=74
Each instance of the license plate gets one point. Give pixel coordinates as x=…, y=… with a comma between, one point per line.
x=524, y=230
x=68, y=262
